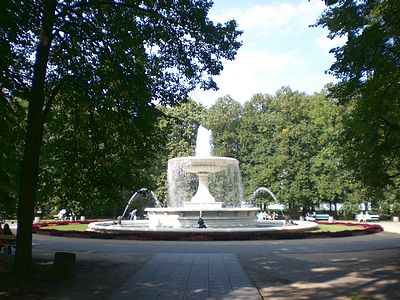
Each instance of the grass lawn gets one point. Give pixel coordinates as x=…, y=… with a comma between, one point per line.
x=336, y=228
x=74, y=227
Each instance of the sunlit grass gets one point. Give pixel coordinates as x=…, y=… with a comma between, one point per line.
x=70, y=227
x=336, y=228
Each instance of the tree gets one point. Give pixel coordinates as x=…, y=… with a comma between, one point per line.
x=367, y=67
x=179, y=129
x=11, y=132
x=289, y=143
x=256, y=143
x=93, y=160
x=125, y=54
x=223, y=118
x=331, y=178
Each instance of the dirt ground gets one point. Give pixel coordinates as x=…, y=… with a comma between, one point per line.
x=94, y=278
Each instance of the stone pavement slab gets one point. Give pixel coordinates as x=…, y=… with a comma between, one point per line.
x=391, y=226
x=189, y=276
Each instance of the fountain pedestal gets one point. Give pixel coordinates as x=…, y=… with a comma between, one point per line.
x=203, y=194
x=203, y=198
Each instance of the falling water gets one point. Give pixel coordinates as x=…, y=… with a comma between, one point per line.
x=181, y=184
x=225, y=186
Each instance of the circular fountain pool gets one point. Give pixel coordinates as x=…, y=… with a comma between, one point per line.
x=142, y=226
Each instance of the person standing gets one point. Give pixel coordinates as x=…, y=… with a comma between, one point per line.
x=7, y=232
x=133, y=214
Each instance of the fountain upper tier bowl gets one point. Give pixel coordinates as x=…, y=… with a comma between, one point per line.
x=206, y=164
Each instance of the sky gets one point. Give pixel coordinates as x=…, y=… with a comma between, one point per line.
x=279, y=49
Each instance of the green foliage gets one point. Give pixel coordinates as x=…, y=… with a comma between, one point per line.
x=108, y=63
x=179, y=129
x=223, y=118
x=96, y=157
x=367, y=67
x=11, y=132
x=289, y=143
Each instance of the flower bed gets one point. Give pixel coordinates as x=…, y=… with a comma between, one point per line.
x=56, y=223
x=204, y=235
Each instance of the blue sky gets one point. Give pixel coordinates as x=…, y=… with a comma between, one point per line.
x=279, y=49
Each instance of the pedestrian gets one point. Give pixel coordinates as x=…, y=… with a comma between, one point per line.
x=7, y=246
x=362, y=217
x=133, y=214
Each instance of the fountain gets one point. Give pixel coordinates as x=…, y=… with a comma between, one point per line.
x=184, y=209
x=203, y=203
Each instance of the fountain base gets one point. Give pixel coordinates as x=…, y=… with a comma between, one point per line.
x=202, y=206
x=143, y=231
x=213, y=216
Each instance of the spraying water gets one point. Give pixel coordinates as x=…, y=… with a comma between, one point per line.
x=264, y=189
x=203, y=142
x=261, y=190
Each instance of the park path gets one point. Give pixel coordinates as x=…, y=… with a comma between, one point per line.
x=171, y=276
x=341, y=268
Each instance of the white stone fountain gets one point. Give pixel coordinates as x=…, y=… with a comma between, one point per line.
x=203, y=202
x=183, y=211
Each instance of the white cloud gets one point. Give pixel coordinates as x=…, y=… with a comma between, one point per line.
x=279, y=49
x=326, y=43
x=257, y=63
x=271, y=17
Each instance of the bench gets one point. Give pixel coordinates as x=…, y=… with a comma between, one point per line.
x=368, y=217
x=7, y=242
x=317, y=217
x=322, y=217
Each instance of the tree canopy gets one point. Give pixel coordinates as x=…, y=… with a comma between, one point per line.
x=289, y=144
x=101, y=61
x=367, y=67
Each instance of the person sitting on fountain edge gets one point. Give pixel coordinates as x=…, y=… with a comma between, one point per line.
x=201, y=224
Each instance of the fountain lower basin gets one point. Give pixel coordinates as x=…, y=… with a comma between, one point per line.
x=213, y=216
x=143, y=226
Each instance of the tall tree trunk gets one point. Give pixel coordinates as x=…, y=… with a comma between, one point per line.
x=22, y=265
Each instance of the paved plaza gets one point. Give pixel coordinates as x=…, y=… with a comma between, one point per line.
x=359, y=267
x=341, y=268
x=171, y=276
